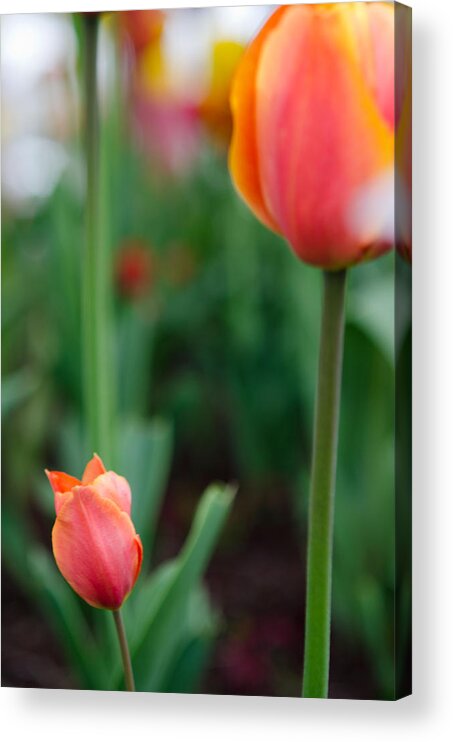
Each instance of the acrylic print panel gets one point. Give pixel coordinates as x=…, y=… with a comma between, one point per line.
x=207, y=350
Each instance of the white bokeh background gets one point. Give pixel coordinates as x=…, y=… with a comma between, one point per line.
x=40, y=97
x=69, y=715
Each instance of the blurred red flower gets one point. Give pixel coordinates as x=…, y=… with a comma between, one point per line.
x=141, y=27
x=134, y=271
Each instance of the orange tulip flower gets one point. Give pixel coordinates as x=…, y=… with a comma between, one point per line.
x=94, y=541
x=142, y=27
x=312, y=151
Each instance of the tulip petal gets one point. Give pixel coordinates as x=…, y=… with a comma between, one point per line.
x=93, y=469
x=320, y=134
x=115, y=488
x=382, y=25
x=243, y=155
x=373, y=28
x=139, y=547
x=62, y=485
x=96, y=548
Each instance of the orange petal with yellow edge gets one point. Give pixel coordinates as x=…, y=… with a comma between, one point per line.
x=373, y=28
x=243, y=156
x=320, y=135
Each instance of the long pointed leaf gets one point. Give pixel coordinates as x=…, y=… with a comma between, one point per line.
x=158, y=624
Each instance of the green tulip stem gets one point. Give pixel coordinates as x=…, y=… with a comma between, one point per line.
x=125, y=656
x=96, y=272
x=322, y=489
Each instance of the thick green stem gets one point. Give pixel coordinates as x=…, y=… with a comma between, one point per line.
x=96, y=278
x=125, y=656
x=322, y=490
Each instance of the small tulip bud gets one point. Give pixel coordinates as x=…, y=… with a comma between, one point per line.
x=94, y=541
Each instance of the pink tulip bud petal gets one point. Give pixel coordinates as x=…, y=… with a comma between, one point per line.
x=62, y=485
x=115, y=488
x=93, y=469
x=96, y=548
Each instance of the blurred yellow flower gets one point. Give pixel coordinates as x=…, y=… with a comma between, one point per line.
x=152, y=70
x=215, y=109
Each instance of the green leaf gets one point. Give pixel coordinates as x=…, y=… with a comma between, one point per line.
x=64, y=612
x=363, y=589
x=73, y=451
x=371, y=307
x=160, y=611
x=135, y=348
x=145, y=459
x=35, y=571
x=16, y=389
x=191, y=656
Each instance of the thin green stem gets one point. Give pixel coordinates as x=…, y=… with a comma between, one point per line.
x=322, y=490
x=96, y=278
x=125, y=656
